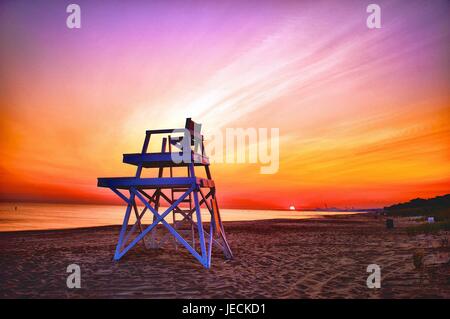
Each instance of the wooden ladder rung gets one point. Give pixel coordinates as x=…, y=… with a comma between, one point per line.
x=179, y=190
x=183, y=212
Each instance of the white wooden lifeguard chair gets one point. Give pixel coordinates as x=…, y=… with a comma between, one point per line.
x=184, y=195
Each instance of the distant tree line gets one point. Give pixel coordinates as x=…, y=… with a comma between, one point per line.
x=438, y=206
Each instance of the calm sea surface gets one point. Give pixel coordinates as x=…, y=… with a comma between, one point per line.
x=28, y=216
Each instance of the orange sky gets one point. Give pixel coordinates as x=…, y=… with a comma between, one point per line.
x=363, y=114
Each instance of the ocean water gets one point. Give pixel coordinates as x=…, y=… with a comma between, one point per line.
x=33, y=216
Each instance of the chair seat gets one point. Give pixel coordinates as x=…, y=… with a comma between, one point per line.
x=149, y=160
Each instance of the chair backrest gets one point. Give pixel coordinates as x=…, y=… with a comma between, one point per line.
x=194, y=129
x=196, y=137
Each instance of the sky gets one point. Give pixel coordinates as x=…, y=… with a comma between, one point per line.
x=363, y=114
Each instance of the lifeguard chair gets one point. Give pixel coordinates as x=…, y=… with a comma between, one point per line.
x=184, y=195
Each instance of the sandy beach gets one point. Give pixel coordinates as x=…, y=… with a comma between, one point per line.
x=312, y=258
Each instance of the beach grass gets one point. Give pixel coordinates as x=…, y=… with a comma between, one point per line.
x=429, y=228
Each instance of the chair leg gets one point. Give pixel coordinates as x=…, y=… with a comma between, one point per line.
x=123, y=230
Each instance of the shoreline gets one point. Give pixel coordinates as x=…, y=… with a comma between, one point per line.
x=324, y=257
x=228, y=222
x=29, y=217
